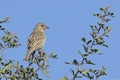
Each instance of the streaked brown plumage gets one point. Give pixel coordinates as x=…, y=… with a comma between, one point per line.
x=36, y=39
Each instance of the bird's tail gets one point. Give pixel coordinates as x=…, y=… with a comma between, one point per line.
x=27, y=56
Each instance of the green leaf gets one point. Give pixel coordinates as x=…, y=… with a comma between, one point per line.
x=94, y=50
x=107, y=7
x=67, y=63
x=75, y=62
x=7, y=18
x=92, y=34
x=78, y=76
x=103, y=68
x=112, y=14
x=109, y=28
x=94, y=14
x=101, y=9
x=85, y=48
x=99, y=40
x=65, y=78
x=17, y=64
x=72, y=71
x=4, y=39
x=90, y=62
x=83, y=39
x=53, y=55
x=2, y=28
x=105, y=45
x=1, y=59
x=89, y=42
x=97, y=15
x=90, y=76
x=91, y=26
x=107, y=20
x=100, y=24
x=84, y=71
x=1, y=45
x=80, y=53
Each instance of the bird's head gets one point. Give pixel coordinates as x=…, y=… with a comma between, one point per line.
x=41, y=27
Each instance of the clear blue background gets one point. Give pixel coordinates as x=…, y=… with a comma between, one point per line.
x=69, y=21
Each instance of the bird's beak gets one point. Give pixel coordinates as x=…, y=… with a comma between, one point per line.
x=47, y=27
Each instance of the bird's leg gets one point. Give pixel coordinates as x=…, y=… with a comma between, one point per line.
x=41, y=52
x=33, y=54
x=40, y=55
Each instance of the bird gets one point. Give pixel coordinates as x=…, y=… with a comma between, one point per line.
x=36, y=40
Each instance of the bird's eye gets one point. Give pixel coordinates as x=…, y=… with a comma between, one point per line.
x=42, y=25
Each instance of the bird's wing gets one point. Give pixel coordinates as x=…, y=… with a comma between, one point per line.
x=35, y=38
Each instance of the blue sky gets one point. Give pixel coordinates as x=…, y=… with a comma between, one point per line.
x=69, y=21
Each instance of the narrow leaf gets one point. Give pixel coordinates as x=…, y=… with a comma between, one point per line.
x=105, y=45
x=85, y=48
x=72, y=71
x=83, y=39
x=7, y=18
x=67, y=63
x=65, y=78
x=1, y=45
x=80, y=53
x=101, y=9
x=90, y=62
x=75, y=62
x=94, y=50
x=89, y=42
x=92, y=35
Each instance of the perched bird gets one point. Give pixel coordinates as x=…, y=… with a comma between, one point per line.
x=36, y=39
